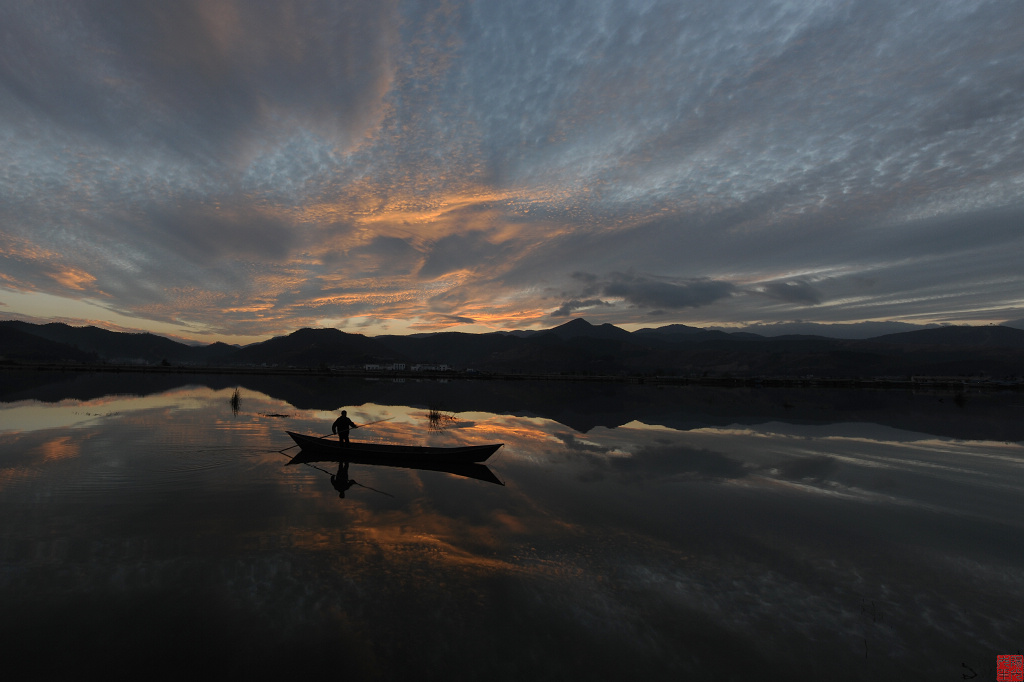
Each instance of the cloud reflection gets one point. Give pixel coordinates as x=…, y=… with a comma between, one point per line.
x=695, y=552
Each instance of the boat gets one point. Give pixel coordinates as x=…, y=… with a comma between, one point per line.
x=473, y=470
x=377, y=453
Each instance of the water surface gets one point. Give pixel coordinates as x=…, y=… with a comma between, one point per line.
x=148, y=527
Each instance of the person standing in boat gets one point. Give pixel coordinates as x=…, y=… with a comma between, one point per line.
x=341, y=426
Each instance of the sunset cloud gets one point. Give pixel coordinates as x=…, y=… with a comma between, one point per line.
x=242, y=170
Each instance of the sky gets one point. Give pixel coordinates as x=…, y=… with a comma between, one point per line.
x=219, y=170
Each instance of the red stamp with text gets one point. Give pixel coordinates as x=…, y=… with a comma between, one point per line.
x=1010, y=668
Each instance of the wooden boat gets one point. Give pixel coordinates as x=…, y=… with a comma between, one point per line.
x=377, y=453
x=474, y=470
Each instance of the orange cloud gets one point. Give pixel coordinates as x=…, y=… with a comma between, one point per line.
x=51, y=263
x=73, y=278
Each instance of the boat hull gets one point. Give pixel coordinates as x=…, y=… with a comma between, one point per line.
x=474, y=470
x=377, y=453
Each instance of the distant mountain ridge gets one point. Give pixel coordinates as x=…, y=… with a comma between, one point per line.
x=850, y=330
x=576, y=346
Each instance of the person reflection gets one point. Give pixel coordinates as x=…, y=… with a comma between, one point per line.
x=341, y=427
x=341, y=481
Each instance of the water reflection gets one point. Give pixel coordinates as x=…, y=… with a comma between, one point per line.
x=650, y=541
x=340, y=481
x=979, y=415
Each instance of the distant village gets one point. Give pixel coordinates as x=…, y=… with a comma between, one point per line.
x=401, y=367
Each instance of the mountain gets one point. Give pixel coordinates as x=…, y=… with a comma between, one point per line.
x=682, y=333
x=111, y=346
x=581, y=328
x=311, y=347
x=24, y=347
x=990, y=336
x=576, y=347
x=456, y=349
x=854, y=330
x=214, y=353
x=669, y=330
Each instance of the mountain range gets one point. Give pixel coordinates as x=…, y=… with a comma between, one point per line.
x=576, y=347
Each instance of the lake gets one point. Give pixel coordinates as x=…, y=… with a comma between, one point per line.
x=151, y=526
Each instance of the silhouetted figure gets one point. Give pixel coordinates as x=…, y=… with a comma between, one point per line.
x=341, y=481
x=341, y=427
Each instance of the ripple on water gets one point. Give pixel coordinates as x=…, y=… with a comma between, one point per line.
x=172, y=470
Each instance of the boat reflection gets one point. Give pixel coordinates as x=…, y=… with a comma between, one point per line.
x=342, y=482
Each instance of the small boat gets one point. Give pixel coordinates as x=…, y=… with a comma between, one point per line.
x=465, y=469
x=377, y=453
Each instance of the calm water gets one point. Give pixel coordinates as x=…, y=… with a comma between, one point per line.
x=147, y=527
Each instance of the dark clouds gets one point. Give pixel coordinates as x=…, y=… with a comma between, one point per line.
x=431, y=163
x=795, y=291
x=456, y=252
x=203, y=234
x=199, y=77
x=385, y=256
x=569, y=307
x=651, y=293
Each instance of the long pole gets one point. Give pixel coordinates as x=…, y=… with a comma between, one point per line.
x=372, y=423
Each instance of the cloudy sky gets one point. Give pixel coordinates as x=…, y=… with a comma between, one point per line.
x=236, y=170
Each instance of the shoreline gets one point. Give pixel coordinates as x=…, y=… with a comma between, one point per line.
x=946, y=383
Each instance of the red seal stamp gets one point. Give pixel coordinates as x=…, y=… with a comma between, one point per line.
x=1010, y=668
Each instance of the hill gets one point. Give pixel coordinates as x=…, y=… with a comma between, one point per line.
x=111, y=346
x=18, y=346
x=576, y=347
x=310, y=348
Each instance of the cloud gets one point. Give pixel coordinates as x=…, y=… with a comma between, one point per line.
x=815, y=467
x=649, y=292
x=259, y=166
x=383, y=256
x=203, y=234
x=196, y=77
x=456, y=319
x=794, y=291
x=568, y=307
x=470, y=251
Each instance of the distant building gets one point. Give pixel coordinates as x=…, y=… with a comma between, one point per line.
x=431, y=368
x=389, y=367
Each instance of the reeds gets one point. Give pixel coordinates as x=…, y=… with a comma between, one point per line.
x=438, y=420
